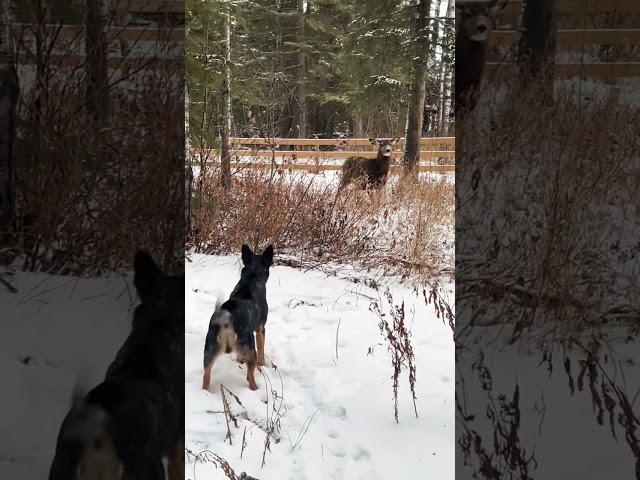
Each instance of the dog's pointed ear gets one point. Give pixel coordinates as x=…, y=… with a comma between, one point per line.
x=247, y=254
x=145, y=275
x=267, y=256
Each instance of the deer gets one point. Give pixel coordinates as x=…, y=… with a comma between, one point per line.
x=477, y=19
x=369, y=171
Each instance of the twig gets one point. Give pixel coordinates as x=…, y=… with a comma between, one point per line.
x=227, y=413
x=337, y=331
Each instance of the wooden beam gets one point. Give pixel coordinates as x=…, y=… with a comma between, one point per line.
x=605, y=71
x=147, y=6
x=427, y=141
x=127, y=63
x=604, y=36
x=325, y=168
x=310, y=154
x=115, y=33
x=581, y=7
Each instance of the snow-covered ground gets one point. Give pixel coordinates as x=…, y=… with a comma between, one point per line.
x=69, y=327
x=559, y=428
x=336, y=408
x=332, y=176
x=332, y=399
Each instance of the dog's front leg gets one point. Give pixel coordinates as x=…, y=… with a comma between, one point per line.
x=176, y=461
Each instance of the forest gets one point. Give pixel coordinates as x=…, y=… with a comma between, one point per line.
x=326, y=68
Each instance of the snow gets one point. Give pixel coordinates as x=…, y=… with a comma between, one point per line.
x=336, y=409
x=551, y=418
x=561, y=429
x=332, y=177
x=70, y=328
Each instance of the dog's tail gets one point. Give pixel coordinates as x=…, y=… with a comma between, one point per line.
x=221, y=328
x=85, y=449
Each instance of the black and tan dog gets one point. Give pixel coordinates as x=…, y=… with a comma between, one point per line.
x=233, y=323
x=122, y=428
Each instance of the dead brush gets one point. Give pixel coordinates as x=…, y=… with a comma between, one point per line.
x=547, y=179
x=550, y=179
x=207, y=456
x=86, y=204
x=610, y=400
x=402, y=229
x=398, y=338
x=497, y=454
x=276, y=409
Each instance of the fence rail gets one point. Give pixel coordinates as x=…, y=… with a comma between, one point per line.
x=581, y=7
x=426, y=141
x=603, y=71
x=315, y=154
x=322, y=168
x=576, y=37
x=212, y=156
x=131, y=33
x=147, y=6
x=589, y=17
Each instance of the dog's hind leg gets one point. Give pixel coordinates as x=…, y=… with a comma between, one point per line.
x=208, y=365
x=211, y=352
x=260, y=334
x=176, y=461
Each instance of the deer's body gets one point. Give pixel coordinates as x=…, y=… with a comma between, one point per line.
x=472, y=35
x=369, y=171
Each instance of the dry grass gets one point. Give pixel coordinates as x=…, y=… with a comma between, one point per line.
x=545, y=223
x=398, y=338
x=400, y=229
x=92, y=198
x=546, y=237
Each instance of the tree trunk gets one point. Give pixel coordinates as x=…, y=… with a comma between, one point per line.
x=302, y=73
x=226, y=105
x=40, y=87
x=97, y=73
x=358, y=130
x=187, y=138
x=447, y=94
x=537, y=45
x=418, y=90
x=8, y=100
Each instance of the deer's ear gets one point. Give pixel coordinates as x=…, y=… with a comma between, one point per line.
x=374, y=141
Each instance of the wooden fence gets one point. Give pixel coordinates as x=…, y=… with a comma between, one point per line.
x=589, y=30
x=68, y=40
x=266, y=149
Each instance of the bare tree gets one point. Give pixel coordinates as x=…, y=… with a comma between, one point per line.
x=446, y=79
x=419, y=88
x=302, y=74
x=226, y=105
x=97, y=67
x=8, y=99
x=537, y=45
